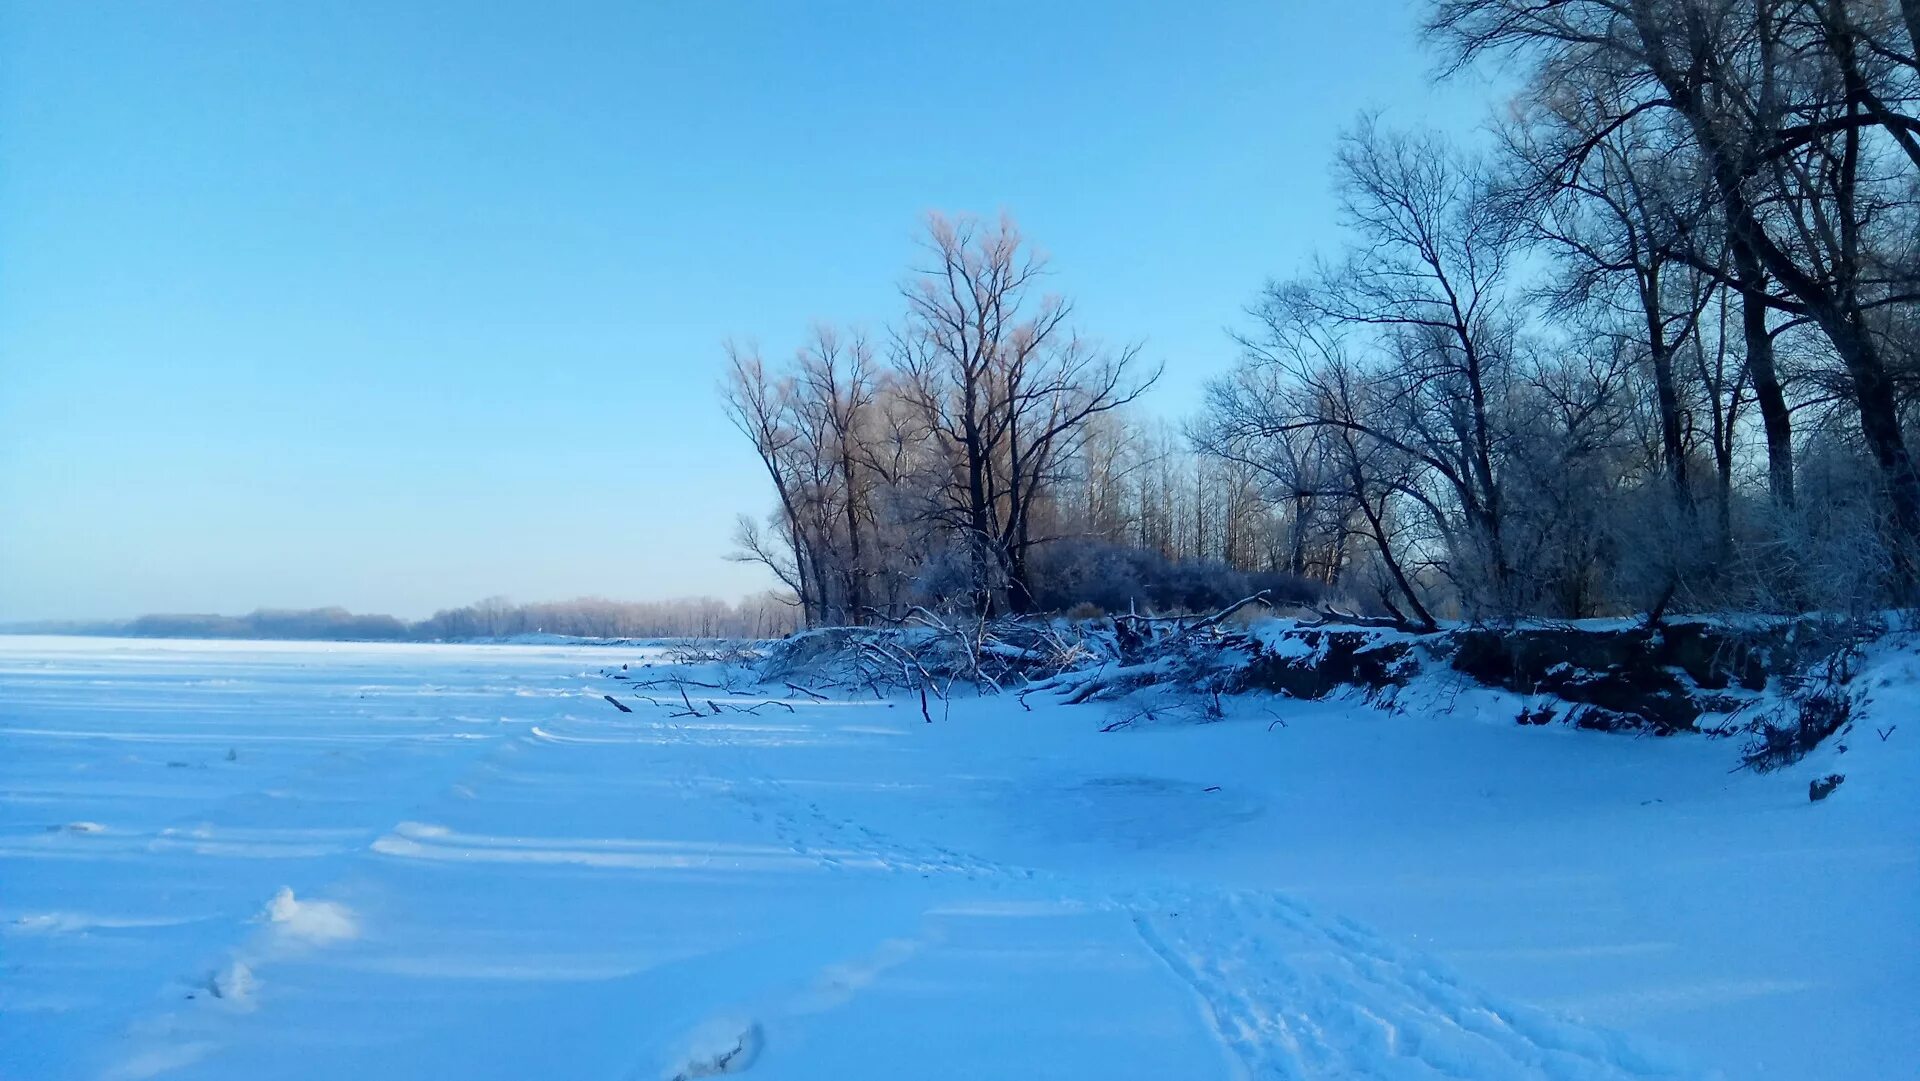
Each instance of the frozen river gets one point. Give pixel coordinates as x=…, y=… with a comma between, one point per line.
x=293, y=860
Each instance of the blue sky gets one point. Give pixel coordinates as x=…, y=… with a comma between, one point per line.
x=400, y=305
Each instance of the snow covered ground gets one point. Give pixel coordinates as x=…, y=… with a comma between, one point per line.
x=277, y=860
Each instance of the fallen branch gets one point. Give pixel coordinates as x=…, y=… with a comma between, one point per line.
x=1222, y=615
x=1328, y=614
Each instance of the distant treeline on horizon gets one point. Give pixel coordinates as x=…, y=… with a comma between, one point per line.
x=762, y=616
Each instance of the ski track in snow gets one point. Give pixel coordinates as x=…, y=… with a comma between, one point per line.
x=1296, y=996
x=1276, y=988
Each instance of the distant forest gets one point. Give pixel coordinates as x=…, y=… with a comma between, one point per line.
x=761, y=616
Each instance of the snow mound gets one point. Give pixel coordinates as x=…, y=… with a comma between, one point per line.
x=234, y=983
x=721, y=1046
x=316, y=922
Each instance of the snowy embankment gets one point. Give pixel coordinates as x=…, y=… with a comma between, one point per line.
x=1724, y=676
x=244, y=860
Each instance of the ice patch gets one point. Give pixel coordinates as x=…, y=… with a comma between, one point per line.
x=316, y=922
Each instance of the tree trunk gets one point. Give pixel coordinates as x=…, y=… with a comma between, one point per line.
x=977, y=519
x=1297, y=550
x=857, y=567
x=1767, y=393
x=1673, y=453
x=1377, y=526
x=1019, y=594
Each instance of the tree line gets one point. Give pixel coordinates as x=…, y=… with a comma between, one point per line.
x=758, y=616
x=1652, y=344
x=761, y=616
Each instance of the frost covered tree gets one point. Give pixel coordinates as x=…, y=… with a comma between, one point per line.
x=932, y=476
x=1004, y=388
x=1802, y=114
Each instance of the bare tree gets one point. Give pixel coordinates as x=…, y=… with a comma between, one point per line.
x=836, y=393
x=1004, y=388
x=760, y=405
x=1617, y=213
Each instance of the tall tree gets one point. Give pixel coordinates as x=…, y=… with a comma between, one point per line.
x=1004, y=387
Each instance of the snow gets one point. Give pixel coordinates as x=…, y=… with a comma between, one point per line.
x=233, y=983
x=316, y=922
x=721, y=1046
x=243, y=860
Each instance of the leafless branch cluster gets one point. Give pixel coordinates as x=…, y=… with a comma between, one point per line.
x=718, y=651
x=929, y=655
x=1822, y=703
x=928, y=652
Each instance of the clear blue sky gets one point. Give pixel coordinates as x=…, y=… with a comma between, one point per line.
x=396, y=305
